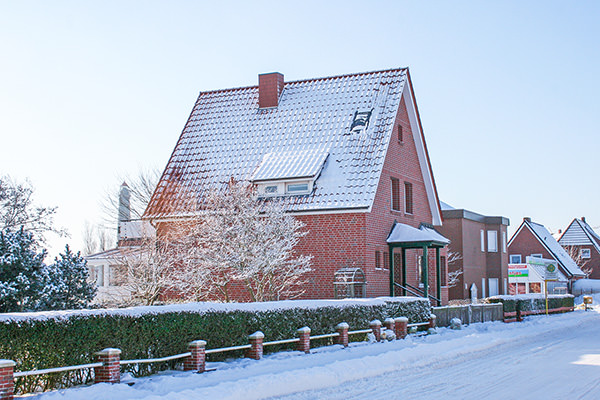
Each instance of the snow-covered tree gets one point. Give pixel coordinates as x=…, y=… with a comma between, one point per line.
x=21, y=270
x=144, y=270
x=66, y=283
x=17, y=209
x=236, y=237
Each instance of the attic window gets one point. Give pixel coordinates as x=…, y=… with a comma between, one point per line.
x=297, y=187
x=360, y=121
x=271, y=189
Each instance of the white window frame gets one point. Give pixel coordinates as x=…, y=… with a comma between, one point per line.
x=585, y=253
x=492, y=241
x=504, y=241
x=482, y=237
x=294, y=191
x=483, y=288
x=510, y=259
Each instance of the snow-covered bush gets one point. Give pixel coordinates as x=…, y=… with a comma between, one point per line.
x=455, y=323
x=52, y=339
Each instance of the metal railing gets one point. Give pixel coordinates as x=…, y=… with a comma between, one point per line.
x=417, y=291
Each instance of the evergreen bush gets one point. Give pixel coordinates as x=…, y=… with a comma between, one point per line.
x=47, y=342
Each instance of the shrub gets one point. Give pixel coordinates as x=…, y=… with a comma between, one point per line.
x=46, y=340
x=532, y=302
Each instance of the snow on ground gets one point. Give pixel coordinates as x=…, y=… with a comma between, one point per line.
x=543, y=357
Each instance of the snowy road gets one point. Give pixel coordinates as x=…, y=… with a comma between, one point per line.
x=544, y=357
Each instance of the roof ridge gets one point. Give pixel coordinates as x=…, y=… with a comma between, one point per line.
x=323, y=78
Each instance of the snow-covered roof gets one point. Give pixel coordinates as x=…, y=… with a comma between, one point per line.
x=402, y=233
x=579, y=233
x=554, y=248
x=227, y=135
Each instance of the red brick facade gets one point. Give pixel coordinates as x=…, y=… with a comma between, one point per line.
x=351, y=240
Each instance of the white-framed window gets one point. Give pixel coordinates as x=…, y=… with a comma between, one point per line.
x=271, y=189
x=297, y=187
x=483, y=288
x=514, y=259
x=482, y=236
x=492, y=237
x=585, y=253
x=504, y=242
x=537, y=255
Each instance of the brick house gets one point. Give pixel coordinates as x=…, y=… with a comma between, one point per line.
x=481, y=243
x=534, y=240
x=581, y=238
x=348, y=156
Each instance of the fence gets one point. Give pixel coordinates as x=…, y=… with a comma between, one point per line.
x=107, y=369
x=469, y=314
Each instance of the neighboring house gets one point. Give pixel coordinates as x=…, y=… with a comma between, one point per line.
x=103, y=267
x=478, y=249
x=346, y=154
x=583, y=244
x=532, y=239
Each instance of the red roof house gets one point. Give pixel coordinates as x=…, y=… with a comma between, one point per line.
x=534, y=240
x=348, y=155
x=583, y=243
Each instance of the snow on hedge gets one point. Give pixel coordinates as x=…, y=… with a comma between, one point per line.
x=531, y=296
x=202, y=307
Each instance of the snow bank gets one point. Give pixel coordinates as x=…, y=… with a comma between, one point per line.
x=582, y=286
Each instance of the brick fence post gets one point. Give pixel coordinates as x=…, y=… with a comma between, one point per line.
x=432, y=319
x=110, y=371
x=390, y=324
x=401, y=325
x=256, y=345
x=197, y=361
x=342, y=328
x=7, y=380
x=375, y=326
x=304, y=343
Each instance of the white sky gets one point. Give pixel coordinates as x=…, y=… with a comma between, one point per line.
x=507, y=92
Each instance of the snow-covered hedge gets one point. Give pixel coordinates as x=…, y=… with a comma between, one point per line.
x=532, y=302
x=53, y=339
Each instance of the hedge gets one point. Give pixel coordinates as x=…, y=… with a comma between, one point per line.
x=532, y=302
x=47, y=340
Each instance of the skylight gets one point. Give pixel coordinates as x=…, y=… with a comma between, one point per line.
x=360, y=121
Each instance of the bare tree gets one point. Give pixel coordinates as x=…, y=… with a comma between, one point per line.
x=96, y=239
x=144, y=270
x=454, y=273
x=17, y=209
x=236, y=237
x=141, y=188
x=583, y=263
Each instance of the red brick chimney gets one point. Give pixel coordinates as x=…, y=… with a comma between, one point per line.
x=270, y=87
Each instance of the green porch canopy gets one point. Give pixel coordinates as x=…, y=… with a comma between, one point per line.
x=408, y=237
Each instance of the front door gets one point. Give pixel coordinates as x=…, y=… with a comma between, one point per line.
x=493, y=284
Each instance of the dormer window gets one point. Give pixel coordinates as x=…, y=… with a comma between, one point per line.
x=289, y=173
x=297, y=187
x=360, y=121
